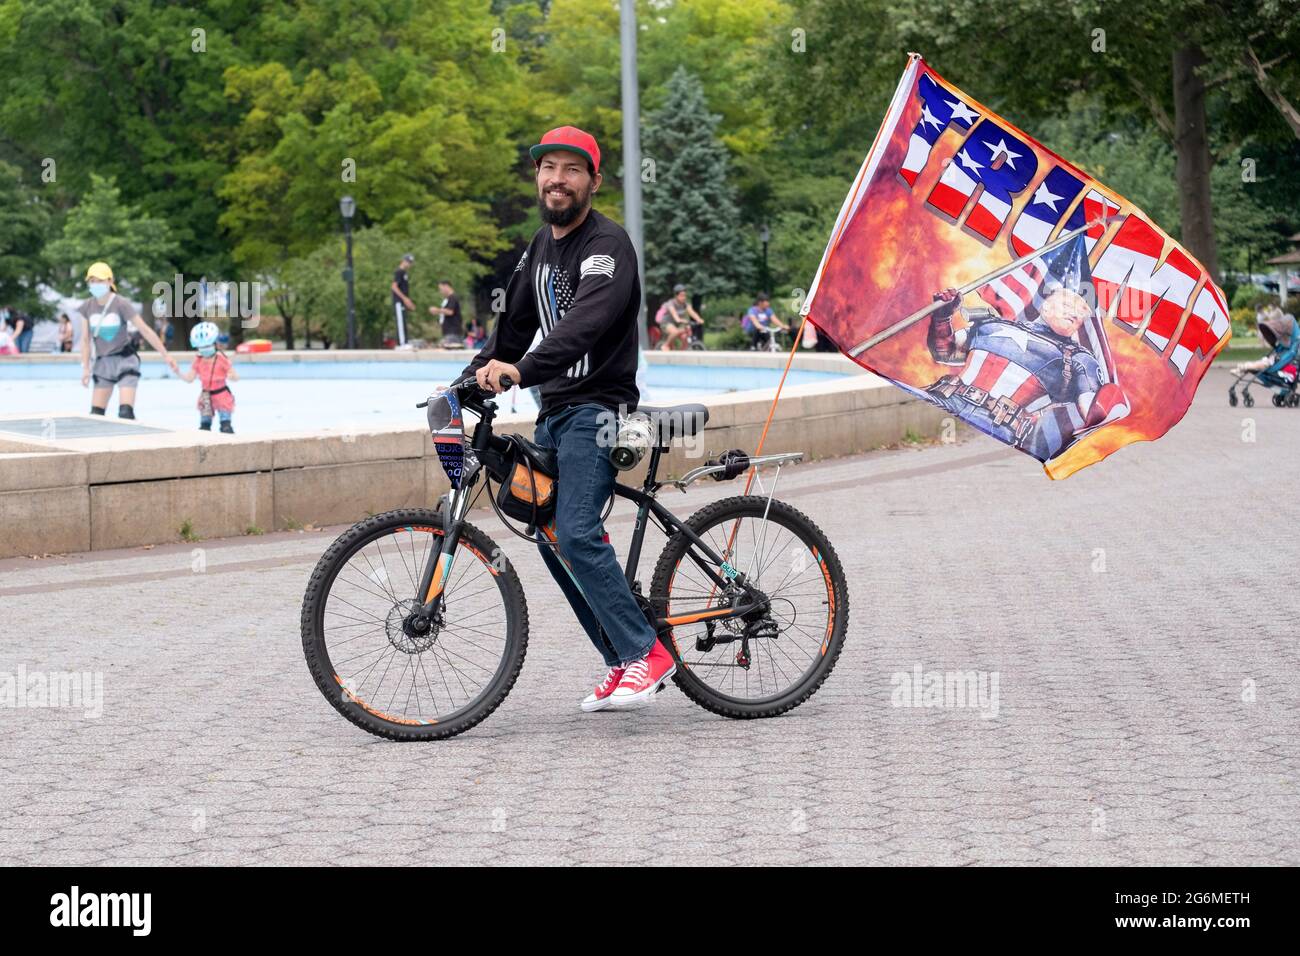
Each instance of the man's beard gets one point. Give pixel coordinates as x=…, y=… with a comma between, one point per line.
x=565, y=216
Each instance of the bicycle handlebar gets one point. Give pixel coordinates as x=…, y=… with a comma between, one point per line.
x=464, y=385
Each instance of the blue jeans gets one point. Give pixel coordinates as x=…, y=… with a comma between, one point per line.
x=612, y=619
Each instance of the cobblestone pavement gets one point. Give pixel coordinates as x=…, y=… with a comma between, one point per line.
x=1139, y=617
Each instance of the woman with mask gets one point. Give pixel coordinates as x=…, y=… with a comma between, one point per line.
x=106, y=334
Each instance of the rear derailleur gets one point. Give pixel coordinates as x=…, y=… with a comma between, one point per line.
x=756, y=623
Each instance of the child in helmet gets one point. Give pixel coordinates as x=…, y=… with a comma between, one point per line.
x=213, y=369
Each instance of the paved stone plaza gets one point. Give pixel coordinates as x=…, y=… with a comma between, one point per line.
x=1138, y=619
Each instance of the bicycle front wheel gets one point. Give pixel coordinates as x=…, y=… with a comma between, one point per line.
x=396, y=681
x=767, y=666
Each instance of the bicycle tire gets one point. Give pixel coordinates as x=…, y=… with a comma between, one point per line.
x=803, y=529
x=316, y=651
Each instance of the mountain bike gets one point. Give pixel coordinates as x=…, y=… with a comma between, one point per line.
x=415, y=626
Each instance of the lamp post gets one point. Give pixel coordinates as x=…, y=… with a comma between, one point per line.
x=632, y=149
x=348, y=207
x=765, y=236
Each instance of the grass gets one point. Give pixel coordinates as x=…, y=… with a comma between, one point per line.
x=292, y=524
x=1232, y=355
x=187, y=531
x=253, y=529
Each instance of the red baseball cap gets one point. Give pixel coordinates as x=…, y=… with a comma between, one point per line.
x=572, y=139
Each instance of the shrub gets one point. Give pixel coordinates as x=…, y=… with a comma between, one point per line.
x=1243, y=321
x=1251, y=297
x=733, y=339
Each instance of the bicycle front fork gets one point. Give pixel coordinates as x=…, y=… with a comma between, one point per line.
x=437, y=569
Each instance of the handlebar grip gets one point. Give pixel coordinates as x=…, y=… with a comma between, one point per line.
x=507, y=382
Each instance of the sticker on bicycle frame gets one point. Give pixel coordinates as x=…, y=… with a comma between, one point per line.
x=729, y=571
x=447, y=426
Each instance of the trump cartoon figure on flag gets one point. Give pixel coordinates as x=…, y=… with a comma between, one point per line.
x=1035, y=370
x=976, y=269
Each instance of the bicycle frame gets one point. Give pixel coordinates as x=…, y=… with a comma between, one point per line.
x=438, y=567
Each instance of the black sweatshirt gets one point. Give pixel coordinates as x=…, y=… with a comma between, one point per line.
x=584, y=292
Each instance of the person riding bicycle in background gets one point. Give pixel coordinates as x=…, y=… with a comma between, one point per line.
x=760, y=321
x=675, y=318
x=578, y=283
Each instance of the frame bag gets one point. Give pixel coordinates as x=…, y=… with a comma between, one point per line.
x=528, y=489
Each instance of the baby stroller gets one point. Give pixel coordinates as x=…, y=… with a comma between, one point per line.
x=1277, y=370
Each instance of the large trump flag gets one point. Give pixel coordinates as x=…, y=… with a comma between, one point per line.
x=977, y=269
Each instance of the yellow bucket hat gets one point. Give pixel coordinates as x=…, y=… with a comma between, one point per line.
x=101, y=270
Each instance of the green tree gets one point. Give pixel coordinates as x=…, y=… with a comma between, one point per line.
x=803, y=208
x=1251, y=190
x=1204, y=73
x=693, y=230
x=139, y=248
x=132, y=91
x=24, y=230
x=319, y=294
x=732, y=46
x=405, y=107
x=1126, y=153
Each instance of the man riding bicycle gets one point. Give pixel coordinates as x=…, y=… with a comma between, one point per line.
x=577, y=282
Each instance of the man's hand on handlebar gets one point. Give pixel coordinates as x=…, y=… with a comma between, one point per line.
x=490, y=376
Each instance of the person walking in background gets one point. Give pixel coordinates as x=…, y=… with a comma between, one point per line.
x=475, y=333
x=65, y=333
x=161, y=320
x=106, y=327
x=20, y=328
x=7, y=344
x=401, y=288
x=449, y=316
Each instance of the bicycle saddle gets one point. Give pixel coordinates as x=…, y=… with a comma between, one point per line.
x=676, y=421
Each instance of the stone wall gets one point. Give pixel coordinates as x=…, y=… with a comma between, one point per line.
x=130, y=490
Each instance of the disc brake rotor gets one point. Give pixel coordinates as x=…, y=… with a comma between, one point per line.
x=408, y=631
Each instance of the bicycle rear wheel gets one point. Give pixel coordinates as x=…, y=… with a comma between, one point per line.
x=786, y=658
x=390, y=680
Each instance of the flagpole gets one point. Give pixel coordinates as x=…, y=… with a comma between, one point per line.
x=920, y=314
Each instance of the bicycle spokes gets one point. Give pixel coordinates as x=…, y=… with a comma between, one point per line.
x=392, y=658
x=760, y=654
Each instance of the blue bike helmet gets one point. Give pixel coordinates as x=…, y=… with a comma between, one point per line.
x=203, y=338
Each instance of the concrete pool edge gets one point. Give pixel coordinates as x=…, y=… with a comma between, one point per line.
x=93, y=494
x=813, y=361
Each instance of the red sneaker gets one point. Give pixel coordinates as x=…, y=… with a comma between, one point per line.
x=598, y=699
x=644, y=678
